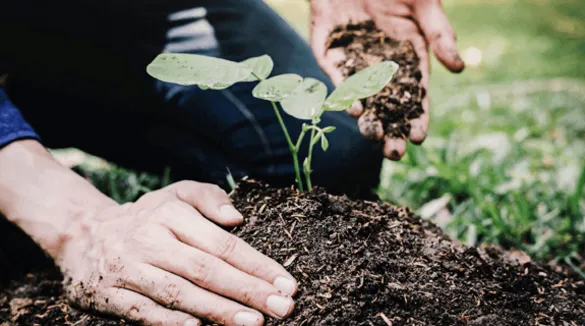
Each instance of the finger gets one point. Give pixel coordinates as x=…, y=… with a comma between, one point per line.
x=207, y=237
x=394, y=148
x=177, y=293
x=370, y=126
x=209, y=199
x=327, y=59
x=420, y=125
x=323, y=18
x=138, y=308
x=439, y=33
x=402, y=28
x=217, y=276
x=356, y=109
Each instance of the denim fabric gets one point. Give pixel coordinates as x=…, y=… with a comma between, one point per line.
x=89, y=90
x=12, y=124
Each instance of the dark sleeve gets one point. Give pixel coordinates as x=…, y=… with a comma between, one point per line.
x=12, y=124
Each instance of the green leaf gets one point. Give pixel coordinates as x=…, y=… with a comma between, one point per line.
x=261, y=67
x=306, y=101
x=193, y=69
x=324, y=143
x=365, y=83
x=277, y=88
x=328, y=129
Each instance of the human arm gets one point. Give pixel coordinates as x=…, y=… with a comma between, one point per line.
x=156, y=261
x=423, y=22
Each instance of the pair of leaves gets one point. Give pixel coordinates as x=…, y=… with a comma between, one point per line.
x=306, y=98
x=301, y=98
x=321, y=136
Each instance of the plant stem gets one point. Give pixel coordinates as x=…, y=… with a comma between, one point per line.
x=300, y=139
x=309, y=159
x=291, y=146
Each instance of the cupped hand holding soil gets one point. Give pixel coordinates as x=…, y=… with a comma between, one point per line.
x=349, y=35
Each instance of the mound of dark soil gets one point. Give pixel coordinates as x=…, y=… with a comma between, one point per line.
x=401, y=101
x=362, y=263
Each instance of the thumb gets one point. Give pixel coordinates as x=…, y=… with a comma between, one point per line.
x=210, y=200
x=326, y=58
x=438, y=33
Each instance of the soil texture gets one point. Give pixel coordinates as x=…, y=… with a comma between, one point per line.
x=360, y=263
x=389, y=112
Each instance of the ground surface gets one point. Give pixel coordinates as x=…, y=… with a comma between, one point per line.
x=363, y=263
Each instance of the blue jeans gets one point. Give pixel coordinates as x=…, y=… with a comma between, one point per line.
x=88, y=89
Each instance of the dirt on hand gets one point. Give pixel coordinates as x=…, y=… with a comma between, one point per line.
x=361, y=263
x=399, y=102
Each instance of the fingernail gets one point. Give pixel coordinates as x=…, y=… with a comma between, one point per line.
x=192, y=322
x=245, y=318
x=280, y=306
x=230, y=212
x=285, y=285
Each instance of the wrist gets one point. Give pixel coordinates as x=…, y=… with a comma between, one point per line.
x=46, y=200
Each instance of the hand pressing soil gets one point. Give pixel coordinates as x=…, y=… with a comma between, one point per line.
x=360, y=263
x=387, y=114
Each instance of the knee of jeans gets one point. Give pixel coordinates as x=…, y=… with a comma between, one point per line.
x=356, y=170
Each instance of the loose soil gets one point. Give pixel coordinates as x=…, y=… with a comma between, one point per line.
x=360, y=263
x=399, y=102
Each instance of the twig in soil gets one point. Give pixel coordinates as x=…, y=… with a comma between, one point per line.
x=291, y=260
x=385, y=319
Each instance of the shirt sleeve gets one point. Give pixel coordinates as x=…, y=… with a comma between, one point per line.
x=12, y=125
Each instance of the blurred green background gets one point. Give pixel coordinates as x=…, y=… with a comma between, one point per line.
x=504, y=162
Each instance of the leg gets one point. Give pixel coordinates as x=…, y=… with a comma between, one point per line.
x=118, y=112
x=259, y=147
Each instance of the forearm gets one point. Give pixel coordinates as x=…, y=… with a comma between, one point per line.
x=43, y=198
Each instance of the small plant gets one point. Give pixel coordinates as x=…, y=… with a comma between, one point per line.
x=302, y=98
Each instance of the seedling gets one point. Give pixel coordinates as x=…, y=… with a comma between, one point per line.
x=302, y=98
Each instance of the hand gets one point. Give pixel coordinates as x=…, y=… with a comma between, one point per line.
x=422, y=22
x=160, y=261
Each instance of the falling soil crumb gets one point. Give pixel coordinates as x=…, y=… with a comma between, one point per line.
x=360, y=263
x=401, y=100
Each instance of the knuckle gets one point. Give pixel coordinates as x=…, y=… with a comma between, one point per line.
x=137, y=313
x=246, y=295
x=114, y=265
x=227, y=247
x=184, y=185
x=212, y=191
x=148, y=197
x=215, y=188
x=202, y=270
x=170, y=295
x=146, y=232
x=259, y=269
x=168, y=210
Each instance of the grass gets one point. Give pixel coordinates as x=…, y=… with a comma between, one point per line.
x=503, y=163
